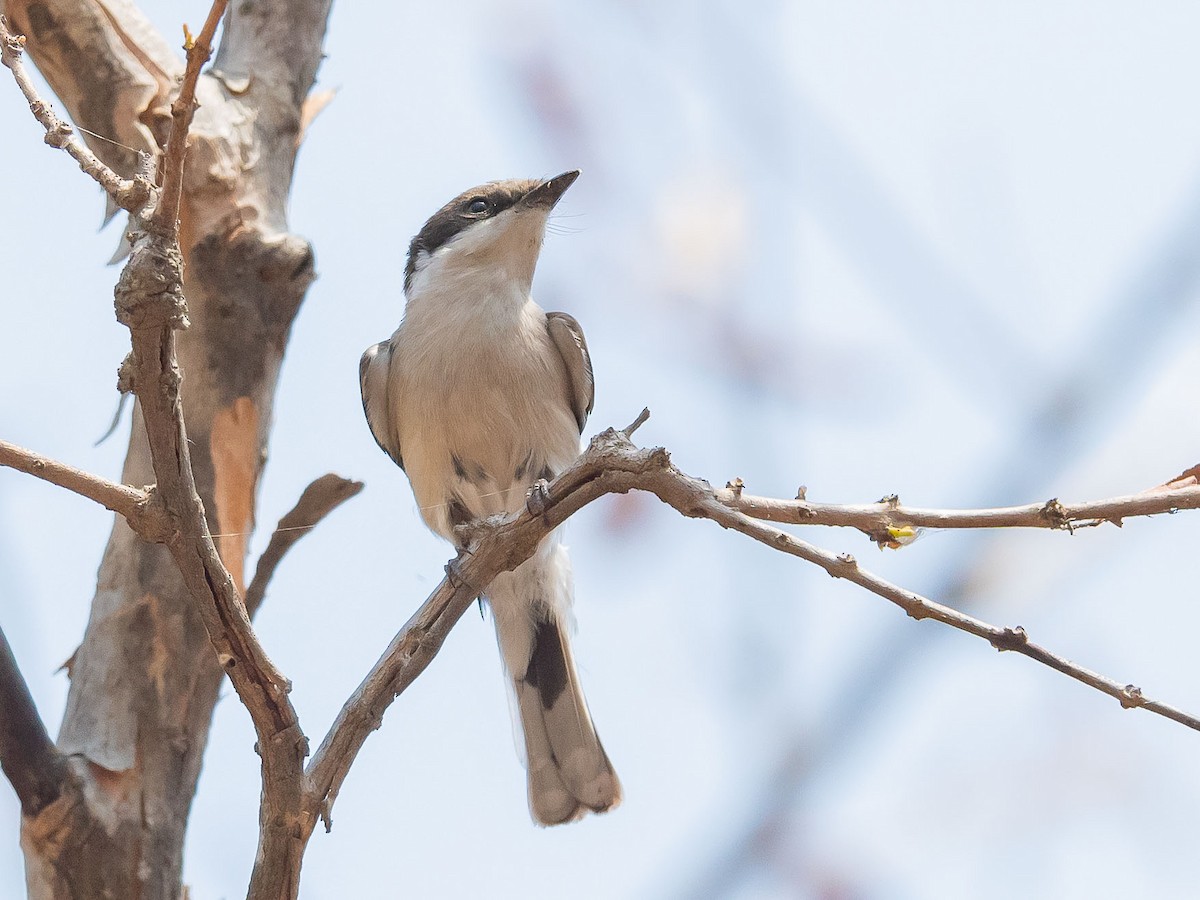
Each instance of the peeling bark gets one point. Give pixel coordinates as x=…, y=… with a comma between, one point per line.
x=145, y=679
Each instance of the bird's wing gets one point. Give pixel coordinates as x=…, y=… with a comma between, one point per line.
x=572, y=347
x=373, y=378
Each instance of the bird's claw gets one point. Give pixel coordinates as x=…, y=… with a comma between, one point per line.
x=454, y=573
x=538, y=497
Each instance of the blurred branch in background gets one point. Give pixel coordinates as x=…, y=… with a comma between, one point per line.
x=934, y=303
x=1095, y=379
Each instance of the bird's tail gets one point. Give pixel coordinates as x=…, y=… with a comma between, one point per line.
x=569, y=772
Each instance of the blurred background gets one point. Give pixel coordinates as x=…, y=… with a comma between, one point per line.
x=946, y=250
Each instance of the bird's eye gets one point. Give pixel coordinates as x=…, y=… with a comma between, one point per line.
x=478, y=207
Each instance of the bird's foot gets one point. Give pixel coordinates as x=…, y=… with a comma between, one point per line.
x=538, y=497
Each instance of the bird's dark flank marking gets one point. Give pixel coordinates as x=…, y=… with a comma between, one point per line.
x=547, y=667
x=457, y=512
x=468, y=471
x=524, y=467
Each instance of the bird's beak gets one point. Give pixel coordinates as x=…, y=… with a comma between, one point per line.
x=548, y=193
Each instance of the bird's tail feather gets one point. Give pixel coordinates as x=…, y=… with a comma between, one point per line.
x=569, y=772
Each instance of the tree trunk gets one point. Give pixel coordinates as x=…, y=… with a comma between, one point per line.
x=145, y=679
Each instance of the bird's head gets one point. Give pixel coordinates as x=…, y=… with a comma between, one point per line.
x=494, y=229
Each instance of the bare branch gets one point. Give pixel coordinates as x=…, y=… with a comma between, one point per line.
x=110, y=68
x=166, y=214
x=319, y=499
x=879, y=521
x=1186, y=478
x=139, y=507
x=612, y=464
x=642, y=418
x=150, y=302
x=409, y=653
x=131, y=195
x=27, y=755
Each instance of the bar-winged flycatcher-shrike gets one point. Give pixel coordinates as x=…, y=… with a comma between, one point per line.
x=477, y=396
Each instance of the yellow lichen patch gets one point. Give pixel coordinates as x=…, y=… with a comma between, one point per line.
x=235, y=456
x=898, y=536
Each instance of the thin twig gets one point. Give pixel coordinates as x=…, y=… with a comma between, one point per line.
x=166, y=214
x=319, y=499
x=120, y=498
x=642, y=418
x=881, y=520
x=131, y=195
x=27, y=754
x=1186, y=478
x=139, y=507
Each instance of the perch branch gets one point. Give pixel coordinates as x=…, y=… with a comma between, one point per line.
x=319, y=499
x=27, y=755
x=409, y=653
x=131, y=195
x=612, y=464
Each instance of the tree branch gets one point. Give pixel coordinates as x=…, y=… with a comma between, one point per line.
x=150, y=301
x=612, y=464
x=319, y=499
x=130, y=195
x=27, y=755
x=140, y=508
x=881, y=521
x=108, y=65
x=165, y=217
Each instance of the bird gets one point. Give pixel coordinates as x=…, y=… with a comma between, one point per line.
x=478, y=396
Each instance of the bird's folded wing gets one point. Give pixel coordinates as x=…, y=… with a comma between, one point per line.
x=568, y=338
x=373, y=370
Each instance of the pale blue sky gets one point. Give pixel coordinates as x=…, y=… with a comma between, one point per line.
x=940, y=249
